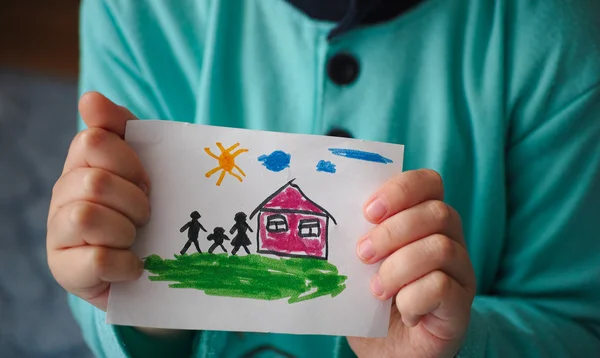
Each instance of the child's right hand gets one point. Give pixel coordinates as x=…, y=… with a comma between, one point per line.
x=97, y=204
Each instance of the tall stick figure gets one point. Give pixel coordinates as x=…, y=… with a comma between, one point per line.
x=193, y=227
x=241, y=239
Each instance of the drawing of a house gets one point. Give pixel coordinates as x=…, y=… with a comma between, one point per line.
x=290, y=224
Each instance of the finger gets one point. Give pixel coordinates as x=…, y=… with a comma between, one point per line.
x=99, y=148
x=417, y=222
x=86, y=270
x=85, y=223
x=436, y=252
x=438, y=302
x=403, y=191
x=103, y=188
x=98, y=111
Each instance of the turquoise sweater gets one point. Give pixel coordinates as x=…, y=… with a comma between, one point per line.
x=502, y=97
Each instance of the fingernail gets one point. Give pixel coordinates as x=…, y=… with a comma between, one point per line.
x=146, y=218
x=376, y=286
x=144, y=188
x=376, y=209
x=141, y=268
x=365, y=250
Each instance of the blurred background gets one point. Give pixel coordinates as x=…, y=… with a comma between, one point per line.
x=38, y=104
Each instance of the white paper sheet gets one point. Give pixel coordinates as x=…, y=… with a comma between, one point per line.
x=316, y=218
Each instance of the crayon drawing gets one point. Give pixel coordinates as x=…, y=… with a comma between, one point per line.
x=254, y=231
x=193, y=228
x=360, y=155
x=290, y=224
x=326, y=167
x=218, y=237
x=226, y=162
x=241, y=239
x=250, y=276
x=276, y=161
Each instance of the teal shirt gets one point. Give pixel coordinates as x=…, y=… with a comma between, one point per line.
x=501, y=97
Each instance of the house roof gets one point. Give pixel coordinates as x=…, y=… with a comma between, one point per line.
x=291, y=197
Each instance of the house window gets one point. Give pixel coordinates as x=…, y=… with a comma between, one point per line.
x=277, y=223
x=309, y=228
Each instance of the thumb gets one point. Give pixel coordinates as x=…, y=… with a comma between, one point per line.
x=100, y=112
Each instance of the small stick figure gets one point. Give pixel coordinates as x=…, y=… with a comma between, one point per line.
x=193, y=227
x=218, y=236
x=241, y=239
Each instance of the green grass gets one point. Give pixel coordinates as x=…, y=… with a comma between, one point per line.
x=251, y=276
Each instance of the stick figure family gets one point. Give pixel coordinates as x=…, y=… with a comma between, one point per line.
x=218, y=236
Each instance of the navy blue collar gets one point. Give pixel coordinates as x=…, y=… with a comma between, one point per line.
x=351, y=13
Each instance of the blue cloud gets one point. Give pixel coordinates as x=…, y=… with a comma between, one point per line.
x=325, y=166
x=276, y=161
x=360, y=155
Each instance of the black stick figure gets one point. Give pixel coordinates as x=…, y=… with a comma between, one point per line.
x=241, y=239
x=218, y=236
x=193, y=227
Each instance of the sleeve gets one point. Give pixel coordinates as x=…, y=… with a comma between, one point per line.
x=108, y=65
x=107, y=61
x=106, y=340
x=545, y=300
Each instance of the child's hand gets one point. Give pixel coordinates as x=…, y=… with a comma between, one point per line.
x=97, y=204
x=425, y=265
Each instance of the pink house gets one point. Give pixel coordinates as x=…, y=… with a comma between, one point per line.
x=290, y=224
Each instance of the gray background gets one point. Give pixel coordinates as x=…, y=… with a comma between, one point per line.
x=37, y=123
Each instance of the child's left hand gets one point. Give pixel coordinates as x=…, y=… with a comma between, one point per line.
x=425, y=265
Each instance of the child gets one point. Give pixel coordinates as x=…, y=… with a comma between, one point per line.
x=218, y=237
x=491, y=251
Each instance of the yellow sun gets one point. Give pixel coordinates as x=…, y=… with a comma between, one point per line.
x=226, y=162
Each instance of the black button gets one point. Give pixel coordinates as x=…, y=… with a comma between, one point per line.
x=338, y=132
x=343, y=69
